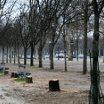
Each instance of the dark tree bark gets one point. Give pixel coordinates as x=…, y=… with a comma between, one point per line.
x=32, y=55
x=10, y=56
x=77, y=48
x=95, y=51
x=25, y=55
x=103, y=55
x=71, y=49
x=70, y=58
x=51, y=50
x=14, y=56
x=40, y=50
x=7, y=54
x=85, y=39
x=18, y=55
x=103, y=48
x=2, y=54
x=95, y=74
x=65, y=62
x=65, y=46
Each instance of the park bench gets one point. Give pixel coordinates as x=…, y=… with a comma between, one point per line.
x=4, y=70
x=21, y=72
x=1, y=68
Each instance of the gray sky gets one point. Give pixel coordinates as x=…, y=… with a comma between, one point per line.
x=16, y=8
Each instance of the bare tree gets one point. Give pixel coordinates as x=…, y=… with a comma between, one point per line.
x=86, y=13
x=95, y=81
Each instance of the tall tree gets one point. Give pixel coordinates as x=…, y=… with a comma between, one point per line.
x=95, y=82
x=85, y=37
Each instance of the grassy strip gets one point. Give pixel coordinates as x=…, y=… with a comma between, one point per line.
x=20, y=79
x=1, y=74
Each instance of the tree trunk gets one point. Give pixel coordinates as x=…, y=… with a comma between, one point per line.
x=99, y=51
x=14, y=55
x=7, y=55
x=18, y=55
x=58, y=53
x=85, y=41
x=25, y=55
x=51, y=48
x=77, y=48
x=2, y=54
x=70, y=51
x=95, y=72
x=10, y=56
x=64, y=41
x=40, y=50
x=65, y=62
x=103, y=55
x=103, y=48
x=32, y=55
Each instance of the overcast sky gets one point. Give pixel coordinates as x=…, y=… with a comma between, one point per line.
x=16, y=9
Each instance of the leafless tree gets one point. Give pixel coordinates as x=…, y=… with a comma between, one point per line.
x=95, y=81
